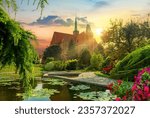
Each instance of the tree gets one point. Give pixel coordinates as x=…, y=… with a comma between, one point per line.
x=84, y=58
x=12, y=4
x=72, y=53
x=120, y=39
x=15, y=47
x=52, y=51
x=96, y=61
x=100, y=49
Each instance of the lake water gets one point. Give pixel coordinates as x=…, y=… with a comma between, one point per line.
x=13, y=91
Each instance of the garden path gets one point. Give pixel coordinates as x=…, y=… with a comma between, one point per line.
x=85, y=77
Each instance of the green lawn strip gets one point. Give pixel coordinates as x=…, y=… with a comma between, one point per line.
x=100, y=74
x=9, y=72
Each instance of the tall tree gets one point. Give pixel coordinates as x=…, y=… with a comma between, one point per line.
x=52, y=51
x=120, y=39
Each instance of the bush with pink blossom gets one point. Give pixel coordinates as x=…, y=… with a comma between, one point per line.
x=141, y=86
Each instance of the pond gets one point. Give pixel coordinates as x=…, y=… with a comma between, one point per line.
x=53, y=90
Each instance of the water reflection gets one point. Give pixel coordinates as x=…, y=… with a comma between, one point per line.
x=65, y=94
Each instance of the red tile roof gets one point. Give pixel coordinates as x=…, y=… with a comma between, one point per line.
x=58, y=37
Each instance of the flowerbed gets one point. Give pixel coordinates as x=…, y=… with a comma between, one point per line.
x=139, y=91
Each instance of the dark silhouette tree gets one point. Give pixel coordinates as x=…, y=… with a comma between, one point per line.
x=52, y=51
x=84, y=58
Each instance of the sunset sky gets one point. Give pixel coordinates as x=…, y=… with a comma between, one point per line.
x=59, y=15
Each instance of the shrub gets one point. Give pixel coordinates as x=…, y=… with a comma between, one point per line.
x=122, y=89
x=59, y=65
x=141, y=87
x=71, y=64
x=135, y=60
x=49, y=66
x=55, y=65
x=96, y=61
x=84, y=58
x=49, y=59
x=106, y=62
x=123, y=75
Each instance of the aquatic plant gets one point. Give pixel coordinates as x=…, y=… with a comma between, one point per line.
x=79, y=87
x=97, y=96
x=38, y=93
x=54, y=82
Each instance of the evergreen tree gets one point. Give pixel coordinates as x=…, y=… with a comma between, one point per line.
x=84, y=58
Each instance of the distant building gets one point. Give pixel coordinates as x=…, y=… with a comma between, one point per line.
x=80, y=40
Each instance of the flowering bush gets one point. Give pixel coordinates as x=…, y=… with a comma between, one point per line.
x=120, y=88
x=141, y=87
x=107, y=69
x=139, y=91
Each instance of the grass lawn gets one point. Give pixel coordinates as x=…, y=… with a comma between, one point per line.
x=8, y=72
x=98, y=73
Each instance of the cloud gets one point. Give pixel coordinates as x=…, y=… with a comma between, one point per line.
x=83, y=19
x=54, y=20
x=100, y=4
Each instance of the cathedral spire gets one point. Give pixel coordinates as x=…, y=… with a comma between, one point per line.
x=76, y=32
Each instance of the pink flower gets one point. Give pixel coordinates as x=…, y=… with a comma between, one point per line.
x=140, y=92
x=146, y=89
x=119, y=82
x=117, y=99
x=148, y=95
x=134, y=87
x=124, y=98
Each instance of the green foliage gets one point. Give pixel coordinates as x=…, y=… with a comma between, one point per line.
x=49, y=66
x=54, y=82
x=106, y=62
x=100, y=49
x=122, y=89
x=134, y=61
x=49, y=59
x=38, y=93
x=71, y=64
x=61, y=65
x=72, y=51
x=13, y=5
x=121, y=39
x=97, y=96
x=15, y=47
x=124, y=75
x=96, y=61
x=55, y=65
x=52, y=51
x=84, y=58
x=80, y=87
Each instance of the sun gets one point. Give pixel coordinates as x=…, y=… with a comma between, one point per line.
x=98, y=31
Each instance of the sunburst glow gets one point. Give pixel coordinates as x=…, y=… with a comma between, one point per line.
x=98, y=31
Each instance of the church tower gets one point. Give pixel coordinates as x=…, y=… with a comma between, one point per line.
x=76, y=32
x=89, y=31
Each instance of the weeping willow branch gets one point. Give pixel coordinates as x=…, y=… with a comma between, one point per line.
x=13, y=5
x=16, y=47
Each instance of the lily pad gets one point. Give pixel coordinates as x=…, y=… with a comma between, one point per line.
x=39, y=93
x=16, y=83
x=15, y=88
x=97, y=96
x=55, y=82
x=5, y=84
x=79, y=87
